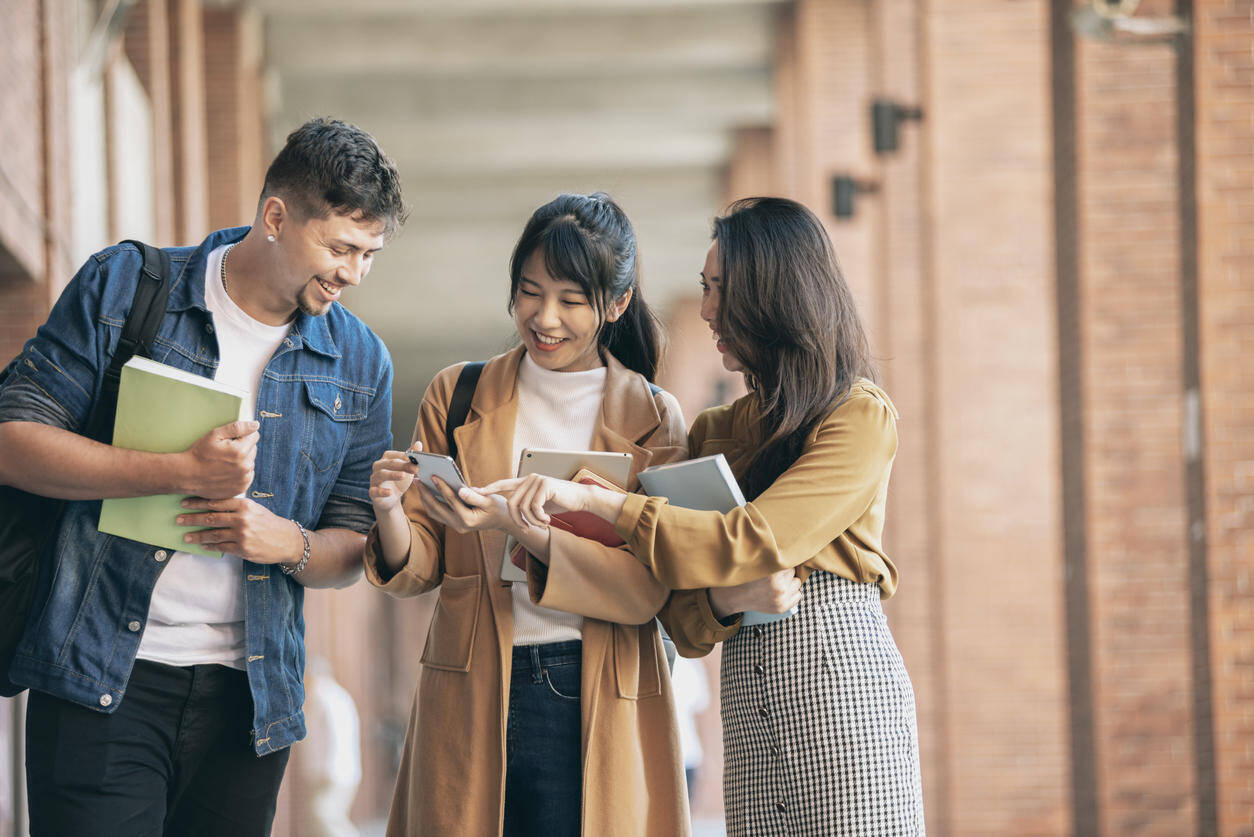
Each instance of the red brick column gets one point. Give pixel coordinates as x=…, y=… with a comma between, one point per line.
x=1130, y=320
x=988, y=276
x=21, y=137
x=187, y=117
x=823, y=89
x=147, y=42
x=233, y=103
x=1225, y=192
x=34, y=197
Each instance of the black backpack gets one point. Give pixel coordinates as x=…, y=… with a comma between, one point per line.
x=27, y=521
x=459, y=409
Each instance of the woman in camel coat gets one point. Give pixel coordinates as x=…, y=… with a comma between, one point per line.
x=454, y=775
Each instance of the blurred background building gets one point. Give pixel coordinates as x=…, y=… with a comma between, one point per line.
x=1046, y=210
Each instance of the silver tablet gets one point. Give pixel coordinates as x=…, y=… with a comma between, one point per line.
x=564, y=464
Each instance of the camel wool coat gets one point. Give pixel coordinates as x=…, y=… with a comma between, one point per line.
x=452, y=772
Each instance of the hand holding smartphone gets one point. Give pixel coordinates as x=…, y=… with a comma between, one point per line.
x=437, y=465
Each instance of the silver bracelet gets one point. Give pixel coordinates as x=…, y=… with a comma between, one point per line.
x=304, y=558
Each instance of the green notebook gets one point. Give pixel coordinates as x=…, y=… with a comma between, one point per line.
x=163, y=410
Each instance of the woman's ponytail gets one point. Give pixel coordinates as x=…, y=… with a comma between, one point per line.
x=635, y=338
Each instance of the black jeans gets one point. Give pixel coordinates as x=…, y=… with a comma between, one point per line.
x=543, y=748
x=175, y=758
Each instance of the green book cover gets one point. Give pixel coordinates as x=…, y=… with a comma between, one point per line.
x=163, y=410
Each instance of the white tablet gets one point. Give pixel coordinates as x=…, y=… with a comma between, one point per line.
x=564, y=464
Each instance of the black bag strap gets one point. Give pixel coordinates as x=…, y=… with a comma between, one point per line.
x=459, y=404
x=152, y=290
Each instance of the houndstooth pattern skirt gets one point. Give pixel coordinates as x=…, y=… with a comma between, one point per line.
x=819, y=730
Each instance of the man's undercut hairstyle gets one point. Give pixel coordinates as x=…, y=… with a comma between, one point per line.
x=331, y=166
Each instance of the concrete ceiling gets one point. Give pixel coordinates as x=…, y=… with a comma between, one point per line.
x=492, y=107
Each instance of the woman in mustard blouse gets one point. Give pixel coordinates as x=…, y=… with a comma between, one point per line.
x=818, y=710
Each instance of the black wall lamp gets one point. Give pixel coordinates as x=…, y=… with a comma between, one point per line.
x=885, y=117
x=844, y=188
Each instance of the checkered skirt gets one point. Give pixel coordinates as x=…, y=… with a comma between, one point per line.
x=819, y=729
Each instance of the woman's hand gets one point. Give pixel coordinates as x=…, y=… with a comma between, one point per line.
x=777, y=593
x=531, y=499
x=466, y=510
x=390, y=478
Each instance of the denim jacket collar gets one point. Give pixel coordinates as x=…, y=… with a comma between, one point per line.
x=188, y=291
x=188, y=288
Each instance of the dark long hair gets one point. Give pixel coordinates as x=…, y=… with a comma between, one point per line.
x=588, y=240
x=790, y=319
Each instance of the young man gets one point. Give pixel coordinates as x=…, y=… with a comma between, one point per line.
x=166, y=687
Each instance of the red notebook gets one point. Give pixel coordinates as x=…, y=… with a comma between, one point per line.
x=584, y=524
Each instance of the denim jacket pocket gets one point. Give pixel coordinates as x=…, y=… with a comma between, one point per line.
x=332, y=411
x=451, y=637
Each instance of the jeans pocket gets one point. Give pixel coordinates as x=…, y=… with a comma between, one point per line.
x=74, y=743
x=563, y=681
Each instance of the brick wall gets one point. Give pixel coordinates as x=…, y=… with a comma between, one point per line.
x=1130, y=300
x=959, y=305
x=1225, y=194
x=234, y=123
x=187, y=120
x=34, y=179
x=997, y=547
x=21, y=137
x=147, y=43
x=57, y=57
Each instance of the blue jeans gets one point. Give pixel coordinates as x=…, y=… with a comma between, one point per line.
x=543, y=750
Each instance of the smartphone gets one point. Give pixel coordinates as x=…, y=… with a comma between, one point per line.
x=436, y=465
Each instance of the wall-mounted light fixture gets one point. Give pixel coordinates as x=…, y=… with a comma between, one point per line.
x=885, y=116
x=844, y=188
x=1113, y=21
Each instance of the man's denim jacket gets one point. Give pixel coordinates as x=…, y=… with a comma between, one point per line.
x=324, y=405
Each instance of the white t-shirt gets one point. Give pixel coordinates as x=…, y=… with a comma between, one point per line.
x=197, y=611
x=555, y=410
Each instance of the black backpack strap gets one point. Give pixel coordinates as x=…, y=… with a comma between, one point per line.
x=459, y=405
x=152, y=290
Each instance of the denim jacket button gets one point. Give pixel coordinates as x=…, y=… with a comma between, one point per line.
x=106, y=700
x=208, y=328
x=160, y=555
x=132, y=626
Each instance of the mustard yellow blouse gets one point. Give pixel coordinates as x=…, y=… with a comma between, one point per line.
x=826, y=512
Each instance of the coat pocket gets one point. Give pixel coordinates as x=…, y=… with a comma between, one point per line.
x=637, y=666
x=452, y=633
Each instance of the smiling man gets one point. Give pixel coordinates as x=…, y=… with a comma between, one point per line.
x=166, y=687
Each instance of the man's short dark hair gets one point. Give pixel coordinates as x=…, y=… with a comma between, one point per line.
x=331, y=166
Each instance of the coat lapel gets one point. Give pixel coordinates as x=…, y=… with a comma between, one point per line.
x=485, y=444
x=628, y=416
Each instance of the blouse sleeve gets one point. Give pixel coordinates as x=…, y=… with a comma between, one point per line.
x=602, y=582
x=692, y=625
x=829, y=487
